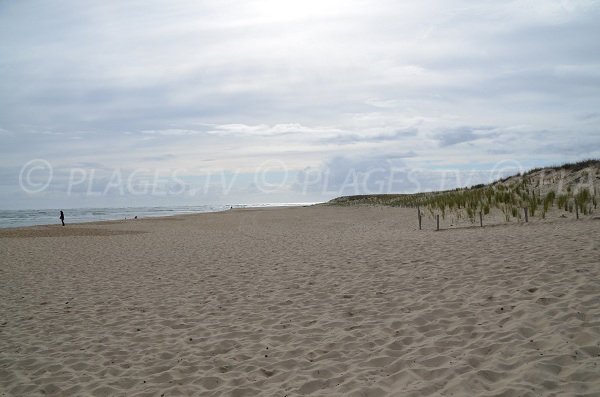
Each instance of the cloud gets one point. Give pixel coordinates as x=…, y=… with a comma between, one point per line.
x=170, y=132
x=351, y=138
x=230, y=85
x=590, y=116
x=271, y=130
x=161, y=157
x=343, y=175
x=464, y=134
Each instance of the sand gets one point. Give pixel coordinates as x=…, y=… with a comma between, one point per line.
x=322, y=301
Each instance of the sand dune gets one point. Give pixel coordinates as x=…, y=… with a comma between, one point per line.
x=321, y=301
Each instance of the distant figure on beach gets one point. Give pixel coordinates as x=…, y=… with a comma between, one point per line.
x=62, y=217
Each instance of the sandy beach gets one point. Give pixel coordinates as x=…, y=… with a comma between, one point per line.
x=321, y=301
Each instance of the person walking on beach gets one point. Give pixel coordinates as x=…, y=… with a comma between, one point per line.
x=62, y=217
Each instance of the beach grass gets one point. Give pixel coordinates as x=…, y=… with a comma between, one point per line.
x=571, y=186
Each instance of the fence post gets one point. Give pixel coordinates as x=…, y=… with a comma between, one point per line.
x=525, y=209
x=419, y=216
x=437, y=220
x=576, y=211
x=480, y=219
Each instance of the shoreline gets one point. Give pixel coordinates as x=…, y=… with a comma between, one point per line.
x=146, y=216
x=492, y=221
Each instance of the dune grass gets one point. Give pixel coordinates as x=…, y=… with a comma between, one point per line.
x=508, y=195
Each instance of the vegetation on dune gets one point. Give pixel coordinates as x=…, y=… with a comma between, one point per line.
x=572, y=167
x=533, y=190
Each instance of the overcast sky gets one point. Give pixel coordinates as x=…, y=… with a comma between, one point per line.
x=276, y=100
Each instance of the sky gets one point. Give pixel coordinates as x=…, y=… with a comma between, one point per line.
x=133, y=103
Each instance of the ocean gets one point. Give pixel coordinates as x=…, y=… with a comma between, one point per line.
x=17, y=218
